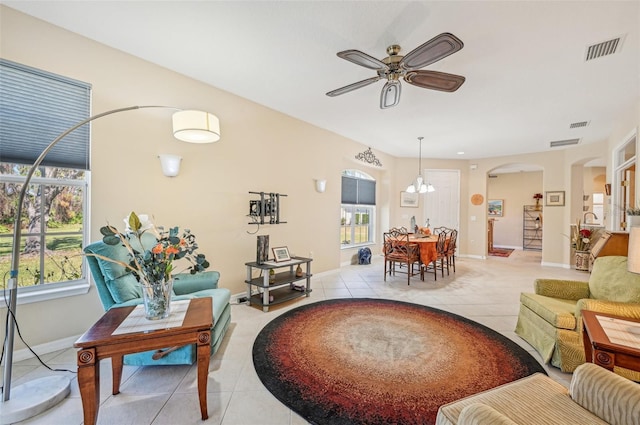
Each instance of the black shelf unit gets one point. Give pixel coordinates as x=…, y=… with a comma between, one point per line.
x=280, y=290
x=532, y=227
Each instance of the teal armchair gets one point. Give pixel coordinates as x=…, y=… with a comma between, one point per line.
x=117, y=288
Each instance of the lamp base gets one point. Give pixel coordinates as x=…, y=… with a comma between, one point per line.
x=33, y=397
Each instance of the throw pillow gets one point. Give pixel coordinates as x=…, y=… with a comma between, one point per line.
x=124, y=288
x=611, y=281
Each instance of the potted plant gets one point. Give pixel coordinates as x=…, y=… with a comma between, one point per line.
x=581, y=241
x=633, y=217
x=153, y=266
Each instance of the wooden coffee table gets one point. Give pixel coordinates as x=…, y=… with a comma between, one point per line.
x=99, y=343
x=613, y=345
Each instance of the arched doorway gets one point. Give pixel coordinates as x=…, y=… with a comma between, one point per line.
x=512, y=213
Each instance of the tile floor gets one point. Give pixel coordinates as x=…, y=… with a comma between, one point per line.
x=486, y=291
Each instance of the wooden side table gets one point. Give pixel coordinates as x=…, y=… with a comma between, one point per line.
x=599, y=347
x=99, y=343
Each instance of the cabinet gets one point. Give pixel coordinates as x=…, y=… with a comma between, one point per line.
x=282, y=288
x=610, y=243
x=532, y=227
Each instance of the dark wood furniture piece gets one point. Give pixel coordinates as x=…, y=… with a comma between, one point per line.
x=441, y=256
x=99, y=343
x=600, y=350
x=398, y=249
x=281, y=289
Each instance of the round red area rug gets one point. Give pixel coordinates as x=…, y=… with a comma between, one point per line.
x=376, y=361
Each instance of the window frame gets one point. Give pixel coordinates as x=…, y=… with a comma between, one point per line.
x=41, y=103
x=54, y=290
x=352, y=208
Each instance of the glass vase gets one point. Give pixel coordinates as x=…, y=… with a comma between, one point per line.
x=157, y=299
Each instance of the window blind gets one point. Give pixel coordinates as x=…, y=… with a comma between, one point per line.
x=358, y=191
x=36, y=107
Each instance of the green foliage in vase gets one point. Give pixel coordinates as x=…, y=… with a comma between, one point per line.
x=157, y=263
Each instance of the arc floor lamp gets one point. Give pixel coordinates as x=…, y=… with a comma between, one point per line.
x=36, y=396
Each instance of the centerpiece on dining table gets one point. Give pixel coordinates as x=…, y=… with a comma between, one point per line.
x=152, y=261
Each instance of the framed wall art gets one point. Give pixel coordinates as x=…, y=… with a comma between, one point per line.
x=495, y=207
x=281, y=253
x=554, y=198
x=408, y=199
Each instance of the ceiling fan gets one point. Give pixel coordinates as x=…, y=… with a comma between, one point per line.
x=393, y=67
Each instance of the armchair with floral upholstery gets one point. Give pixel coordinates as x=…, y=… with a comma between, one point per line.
x=117, y=287
x=550, y=319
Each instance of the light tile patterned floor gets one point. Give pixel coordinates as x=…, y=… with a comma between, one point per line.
x=486, y=291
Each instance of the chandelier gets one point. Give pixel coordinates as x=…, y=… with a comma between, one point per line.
x=418, y=185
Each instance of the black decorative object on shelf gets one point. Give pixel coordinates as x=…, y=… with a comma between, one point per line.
x=369, y=157
x=267, y=207
x=262, y=249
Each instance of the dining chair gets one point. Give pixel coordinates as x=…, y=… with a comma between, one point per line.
x=398, y=249
x=451, y=249
x=441, y=257
x=441, y=229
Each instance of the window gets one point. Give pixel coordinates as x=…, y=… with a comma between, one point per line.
x=357, y=209
x=36, y=107
x=598, y=208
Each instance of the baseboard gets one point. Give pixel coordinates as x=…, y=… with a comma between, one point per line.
x=561, y=265
x=509, y=247
x=49, y=347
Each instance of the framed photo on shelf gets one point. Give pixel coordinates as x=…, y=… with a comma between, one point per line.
x=554, y=198
x=495, y=207
x=281, y=253
x=408, y=199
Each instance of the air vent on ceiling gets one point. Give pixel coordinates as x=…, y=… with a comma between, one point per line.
x=493, y=176
x=579, y=124
x=605, y=48
x=567, y=142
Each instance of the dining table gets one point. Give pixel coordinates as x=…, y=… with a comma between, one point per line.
x=427, y=246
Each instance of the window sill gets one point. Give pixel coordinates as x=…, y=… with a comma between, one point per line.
x=61, y=291
x=360, y=245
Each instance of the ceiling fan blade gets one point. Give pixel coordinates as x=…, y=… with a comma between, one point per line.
x=351, y=87
x=439, y=47
x=363, y=59
x=435, y=80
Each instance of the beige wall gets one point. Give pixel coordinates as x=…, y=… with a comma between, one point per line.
x=260, y=150
x=516, y=190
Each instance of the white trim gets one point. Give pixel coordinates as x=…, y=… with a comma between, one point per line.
x=561, y=265
x=46, y=348
x=50, y=292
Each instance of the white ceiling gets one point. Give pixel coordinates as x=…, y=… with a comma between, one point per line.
x=526, y=76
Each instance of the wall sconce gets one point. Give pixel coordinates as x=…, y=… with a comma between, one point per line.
x=170, y=164
x=321, y=185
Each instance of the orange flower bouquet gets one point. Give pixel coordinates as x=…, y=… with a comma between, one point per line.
x=153, y=266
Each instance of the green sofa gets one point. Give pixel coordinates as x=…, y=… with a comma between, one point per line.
x=550, y=319
x=595, y=396
x=117, y=288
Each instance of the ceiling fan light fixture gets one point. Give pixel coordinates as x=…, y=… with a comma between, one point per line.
x=390, y=95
